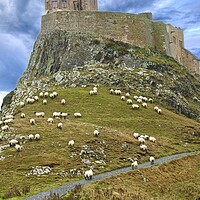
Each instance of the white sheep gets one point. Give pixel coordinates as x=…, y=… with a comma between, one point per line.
x=139, y=100
x=141, y=140
x=60, y=125
x=159, y=111
x=144, y=105
x=144, y=99
x=118, y=92
x=18, y=147
x=129, y=101
x=56, y=114
x=64, y=115
x=36, y=98
x=135, y=106
x=22, y=115
x=112, y=91
x=31, y=137
x=135, y=97
x=71, y=143
x=123, y=98
x=39, y=114
x=152, y=139
x=136, y=135
x=8, y=121
x=32, y=121
x=77, y=115
x=37, y=136
x=13, y=142
x=127, y=94
x=134, y=165
x=50, y=120
x=5, y=128
x=44, y=102
x=143, y=147
x=55, y=94
x=156, y=108
x=88, y=174
x=46, y=94
x=51, y=95
x=41, y=94
x=63, y=101
x=91, y=92
x=150, y=100
x=30, y=100
x=22, y=104
x=7, y=117
x=152, y=160
x=96, y=133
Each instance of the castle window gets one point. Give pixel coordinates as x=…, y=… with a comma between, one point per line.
x=54, y=4
x=174, y=39
x=64, y=3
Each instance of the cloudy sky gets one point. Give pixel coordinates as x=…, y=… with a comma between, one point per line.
x=20, y=25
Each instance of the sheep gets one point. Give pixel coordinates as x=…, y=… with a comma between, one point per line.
x=55, y=94
x=71, y=143
x=37, y=136
x=141, y=140
x=51, y=95
x=1, y=123
x=39, y=114
x=123, y=98
x=112, y=91
x=77, y=115
x=13, y=142
x=88, y=174
x=31, y=137
x=152, y=139
x=144, y=105
x=32, y=121
x=146, y=137
x=127, y=94
x=136, y=135
x=64, y=115
x=118, y=92
x=159, y=111
x=156, y=108
x=150, y=100
x=59, y=125
x=41, y=94
x=5, y=128
x=95, y=90
x=30, y=101
x=46, y=94
x=8, y=117
x=36, y=98
x=96, y=133
x=135, y=97
x=22, y=115
x=56, y=114
x=50, y=120
x=135, y=106
x=143, y=147
x=18, y=147
x=44, y=102
x=139, y=100
x=8, y=121
x=22, y=104
x=134, y=165
x=63, y=101
x=144, y=99
x=152, y=160
x=129, y=101
x=91, y=92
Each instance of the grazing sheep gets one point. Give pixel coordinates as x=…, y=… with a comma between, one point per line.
x=88, y=174
x=31, y=137
x=37, y=136
x=77, y=115
x=144, y=99
x=46, y=94
x=63, y=101
x=135, y=106
x=55, y=94
x=127, y=94
x=139, y=100
x=32, y=121
x=56, y=114
x=156, y=108
x=123, y=98
x=13, y=142
x=144, y=105
x=60, y=125
x=44, y=102
x=112, y=91
x=1, y=123
x=39, y=114
x=91, y=92
x=159, y=111
x=95, y=90
x=152, y=139
x=146, y=137
x=152, y=160
x=5, y=128
x=136, y=135
x=118, y=92
x=41, y=94
x=36, y=98
x=134, y=165
x=141, y=140
x=22, y=115
x=8, y=121
x=135, y=97
x=51, y=96
x=64, y=115
x=129, y=101
x=150, y=100
x=50, y=120
x=8, y=117
x=30, y=101
x=18, y=147
x=143, y=147
x=96, y=133
x=22, y=104
x=71, y=143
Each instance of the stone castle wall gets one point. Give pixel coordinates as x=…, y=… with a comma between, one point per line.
x=137, y=29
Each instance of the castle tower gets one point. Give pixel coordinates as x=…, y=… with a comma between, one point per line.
x=54, y=5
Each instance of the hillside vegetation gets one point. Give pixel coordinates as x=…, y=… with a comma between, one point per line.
x=116, y=121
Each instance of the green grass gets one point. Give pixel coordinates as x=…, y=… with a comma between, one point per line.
x=117, y=122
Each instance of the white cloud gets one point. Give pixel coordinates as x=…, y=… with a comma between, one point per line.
x=2, y=95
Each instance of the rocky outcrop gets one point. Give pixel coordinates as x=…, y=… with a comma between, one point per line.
x=72, y=59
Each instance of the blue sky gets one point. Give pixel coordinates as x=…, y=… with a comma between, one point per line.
x=20, y=25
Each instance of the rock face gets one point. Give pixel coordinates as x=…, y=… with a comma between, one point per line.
x=73, y=59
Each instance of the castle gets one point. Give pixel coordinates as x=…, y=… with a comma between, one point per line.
x=136, y=29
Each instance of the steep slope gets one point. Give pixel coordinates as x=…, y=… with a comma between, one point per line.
x=116, y=121
x=72, y=59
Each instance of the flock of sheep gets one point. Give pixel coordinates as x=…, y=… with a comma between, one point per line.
x=142, y=139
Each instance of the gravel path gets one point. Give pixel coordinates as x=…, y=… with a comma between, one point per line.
x=61, y=190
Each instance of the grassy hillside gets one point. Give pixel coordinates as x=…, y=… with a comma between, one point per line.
x=115, y=119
